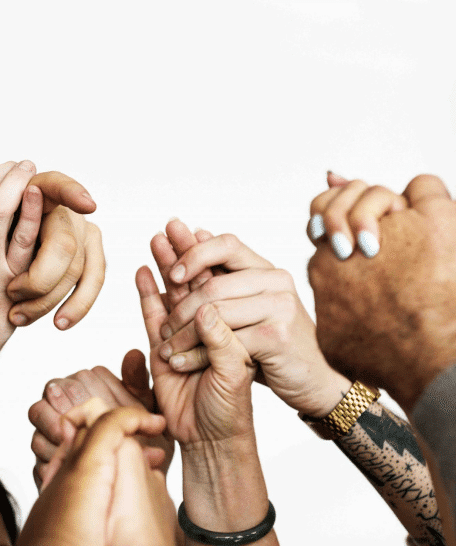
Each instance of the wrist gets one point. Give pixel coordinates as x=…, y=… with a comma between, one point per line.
x=332, y=390
x=224, y=487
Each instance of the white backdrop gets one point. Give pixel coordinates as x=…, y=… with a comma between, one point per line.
x=227, y=115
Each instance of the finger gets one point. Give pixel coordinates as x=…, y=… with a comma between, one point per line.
x=38, y=470
x=227, y=355
x=153, y=310
x=59, y=189
x=42, y=447
x=5, y=168
x=316, y=227
x=334, y=179
x=225, y=250
x=237, y=314
x=240, y=284
x=335, y=218
x=12, y=187
x=76, y=392
x=47, y=420
x=135, y=377
x=52, y=261
x=108, y=432
x=70, y=437
x=57, y=397
x=425, y=186
x=365, y=215
x=89, y=284
x=182, y=240
x=121, y=395
x=94, y=384
x=22, y=245
x=154, y=456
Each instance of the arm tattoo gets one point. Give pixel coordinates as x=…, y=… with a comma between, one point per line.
x=383, y=447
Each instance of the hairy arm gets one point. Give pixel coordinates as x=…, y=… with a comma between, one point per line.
x=384, y=448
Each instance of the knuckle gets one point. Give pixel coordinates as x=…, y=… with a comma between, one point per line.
x=230, y=241
x=357, y=184
x=34, y=412
x=66, y=244
x=83, y=376
x=287, y=304
x=316, y=203
x=37, y=443
x=99, y=370
x=23, y=239
x=75, y=391
x=333, y=217
x=222, y=336
x=40, y=307
x=284, y=279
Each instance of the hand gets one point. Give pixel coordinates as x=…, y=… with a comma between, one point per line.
x=256, y=300
x=207, y=406
x=15, y=258
x=104, y=492
x=60, y=395
x=349, y=213
x=70, y=255
x=389, y=321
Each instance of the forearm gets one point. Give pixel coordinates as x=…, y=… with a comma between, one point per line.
x=385, y=450
x=224, y=487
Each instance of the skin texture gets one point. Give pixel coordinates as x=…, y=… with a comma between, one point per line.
x=389, y=321
x=209, y=412
x=60, y=395
x=124, y=498
x=70, y=252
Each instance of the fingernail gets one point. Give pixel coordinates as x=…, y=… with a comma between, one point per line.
x=33, y=193
x=177, y=361
x=178, y=273
x=87, y=197
x=341, y=246
x=19, y=319
x=55, y=390
x=317, y=227
x=173, y=219
x=368, y=243
x=166, y=351
x=62, y=323
x=166, y=331
x=209, y=317
x=336, y=177
x=26, y=165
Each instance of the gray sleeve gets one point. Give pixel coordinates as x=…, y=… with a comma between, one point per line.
x=434, y=416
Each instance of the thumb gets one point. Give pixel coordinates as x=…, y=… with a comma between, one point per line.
x=225, y=352
x=135, y=378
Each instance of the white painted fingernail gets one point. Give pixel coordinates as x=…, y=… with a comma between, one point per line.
x=316, y=227
x=368, y=243
x=178, y=273
x=341, y=245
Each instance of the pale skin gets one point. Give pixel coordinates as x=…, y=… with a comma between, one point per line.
x=71, y=252
x=282, y=340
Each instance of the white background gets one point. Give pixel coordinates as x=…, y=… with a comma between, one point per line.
x=227, y=115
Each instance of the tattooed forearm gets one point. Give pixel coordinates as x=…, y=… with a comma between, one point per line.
x=383, y=447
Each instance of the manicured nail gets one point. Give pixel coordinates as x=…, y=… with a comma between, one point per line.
x=166, y=351
x=341, y=245
x=87, y=197
x=178, y=273
x=316, y=227
x=166, y=331
x=19, y=319
x=55, y=390
x=177, y=361
x=62, y=323
x=209, y=317
x=368, y=243
x=26, y=165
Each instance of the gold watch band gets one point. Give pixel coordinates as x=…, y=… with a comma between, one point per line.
x=345, y=414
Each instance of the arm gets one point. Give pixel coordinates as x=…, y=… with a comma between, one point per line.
x=395, y=314
x=210, y=414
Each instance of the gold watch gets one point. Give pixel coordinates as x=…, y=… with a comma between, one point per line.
x=345, y=414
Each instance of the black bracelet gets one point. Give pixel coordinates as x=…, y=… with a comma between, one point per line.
x=204, y=536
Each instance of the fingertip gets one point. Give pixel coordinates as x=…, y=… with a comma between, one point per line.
x=334, y=179
x=61, y=323
x=209, y=316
